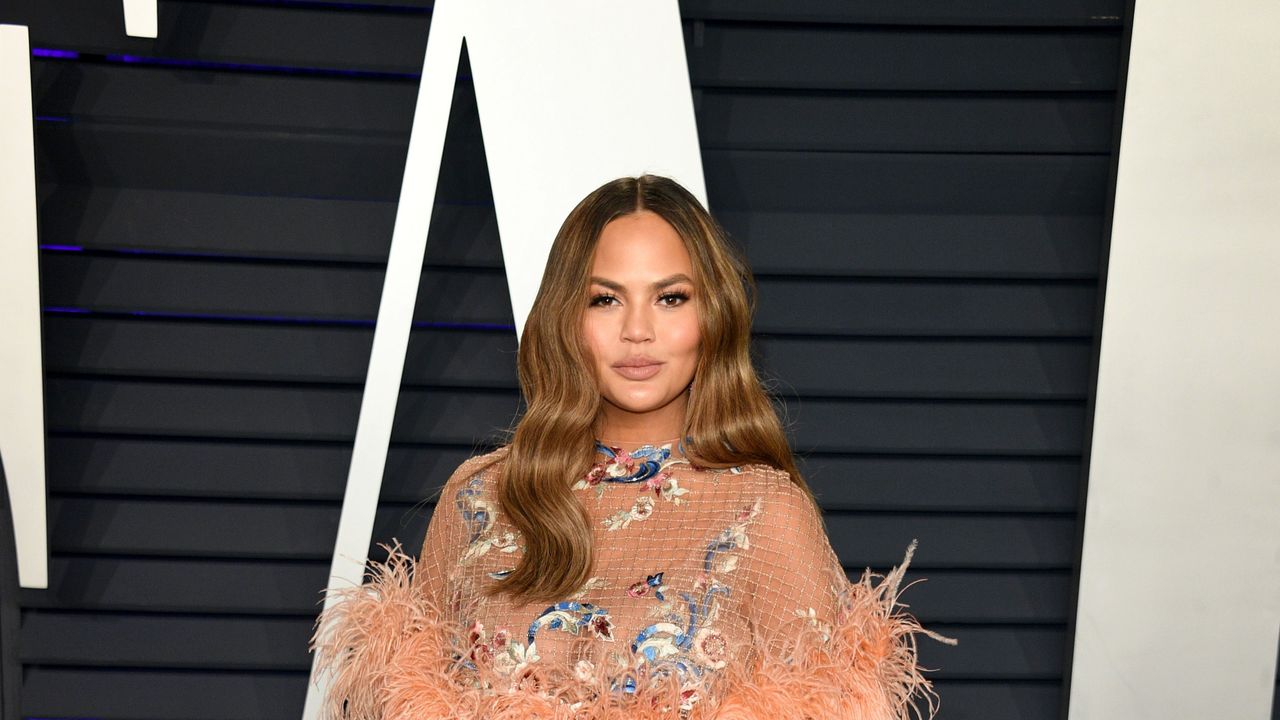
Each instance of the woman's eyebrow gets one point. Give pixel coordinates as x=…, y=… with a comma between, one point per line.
x=664, y=282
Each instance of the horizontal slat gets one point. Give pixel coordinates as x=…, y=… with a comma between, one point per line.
x=982, y=542
x=462, y=357
x=297, y=103
x=921, y=12
x=1013, y=653
x=264, y=290
x=905, y=183
x=897, y=58
x=241, y=33
x=479, y=296
x=185, y=585
x=171, y=641
x=954, y=484
x=998, y=701
x=865, y=367
x=255, y=643
x=129, y=694
x=226, y=587
x=441, y=416
x=953, y=596
x=446, y=416
x=257, y=226
x=902, y=122
x=216, y=529
x=238, y=470
x=776, y=242
x=838, y=306
x=254, y=162
x=246, y=695
x=933, y=245
x=952, y=428
x=308, y=471
x=982, y=369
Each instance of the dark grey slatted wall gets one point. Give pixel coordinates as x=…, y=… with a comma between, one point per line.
x=920, y=190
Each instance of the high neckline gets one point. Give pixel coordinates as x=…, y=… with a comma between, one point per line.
x=631, y=445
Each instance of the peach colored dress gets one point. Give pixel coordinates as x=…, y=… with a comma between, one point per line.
x=715, y=594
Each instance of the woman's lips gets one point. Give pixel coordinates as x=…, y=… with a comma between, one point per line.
x=638, y=372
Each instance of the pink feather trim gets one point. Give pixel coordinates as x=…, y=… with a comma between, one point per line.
x=391, y=658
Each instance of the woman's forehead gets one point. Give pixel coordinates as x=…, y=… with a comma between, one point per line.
x=641, y=247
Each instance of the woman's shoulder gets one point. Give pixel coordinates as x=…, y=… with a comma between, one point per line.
x=477, y=469
x=776, y=495
x=492, y=458
x=764, y=478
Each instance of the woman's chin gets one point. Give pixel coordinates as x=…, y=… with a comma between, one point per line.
x=640, y=402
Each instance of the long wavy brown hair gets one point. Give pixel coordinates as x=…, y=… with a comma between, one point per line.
x=731, y=419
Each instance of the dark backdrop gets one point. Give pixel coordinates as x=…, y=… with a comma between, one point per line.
x=922, y=191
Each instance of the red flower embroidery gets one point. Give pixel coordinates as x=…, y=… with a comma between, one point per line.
x=602, y=626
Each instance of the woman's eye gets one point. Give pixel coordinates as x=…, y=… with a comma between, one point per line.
x=602, y=300
x=679, y=297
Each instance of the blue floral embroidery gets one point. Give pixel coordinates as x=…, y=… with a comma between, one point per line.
x=646, y=467
x=624, y=468
x=694, y=646
x=641, y=588
x=476, y=512
x=478, y=516
x=571, y=616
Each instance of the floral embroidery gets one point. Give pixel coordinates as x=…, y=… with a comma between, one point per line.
x=710, y=648
x=693, y=646
x=645, y=466
x=683, y=637
x=478, y=516
x=509, y=657
x=811, y=616
x=665, y=486
x=572, y=617
x=592, y=583
x=477, y=513
x=505, y=543
x=641, y=588
x=641, y=509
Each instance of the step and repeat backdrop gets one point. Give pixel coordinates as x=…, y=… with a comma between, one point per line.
x=922, y=191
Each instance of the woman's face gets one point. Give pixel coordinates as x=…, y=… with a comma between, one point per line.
x=641, y=320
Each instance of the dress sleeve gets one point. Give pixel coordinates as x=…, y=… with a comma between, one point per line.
x=399, y=619
x=824, y=647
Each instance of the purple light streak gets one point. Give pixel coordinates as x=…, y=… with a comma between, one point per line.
x=52, y=53
x=253, y=67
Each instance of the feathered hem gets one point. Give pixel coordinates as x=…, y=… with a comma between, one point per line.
x=393, y=656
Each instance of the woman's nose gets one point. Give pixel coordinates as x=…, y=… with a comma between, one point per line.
x=637, y=325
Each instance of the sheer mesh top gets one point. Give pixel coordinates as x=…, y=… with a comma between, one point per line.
x=707, y=582
x=687, y=561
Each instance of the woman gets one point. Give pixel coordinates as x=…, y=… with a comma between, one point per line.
x=644, y=546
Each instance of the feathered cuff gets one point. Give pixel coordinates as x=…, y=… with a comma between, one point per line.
x=862, y=666
x=360, y=638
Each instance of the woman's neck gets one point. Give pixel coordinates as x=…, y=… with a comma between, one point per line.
x=618, y=428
